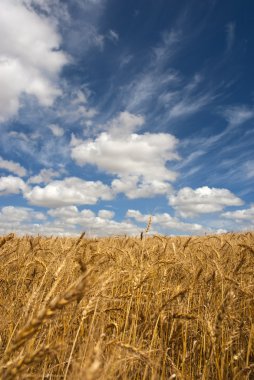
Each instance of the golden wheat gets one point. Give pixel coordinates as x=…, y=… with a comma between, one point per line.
x=127, y=308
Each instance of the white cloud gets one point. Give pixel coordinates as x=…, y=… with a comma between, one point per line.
x=63, y=221
x=166, y=222
x=188, y=99
x=142, y=155
x=189, y=105
x=241, y=215
x=203, y=200
x=237, y=115
x=44, y=176
x=101, y=224
x=12, y=185
x=12, y=167
x=124, y=124
x=56, y=130
x=30, y=59
x=156, y=87
x=21, y=220
x=11, y=214
x=139, y=187
x=69, y=191
x=153, y=81
x=106, y=214
x=138, y=160
x=148, y=87
x=64, y=212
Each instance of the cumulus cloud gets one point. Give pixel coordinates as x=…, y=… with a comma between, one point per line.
x=13, y=167
x=70, y=191
x=106, y=214
x=241, y=215
x=11, y=214
x=12, y=185
x=44, y=176
x=71, y=214
x=100, y=224
x=124, y=124
x=138, y=160
x=23, y=220
x=135, y=159
x=189, y=202
x=30, y=58
x=166, y=222
x=139, y=187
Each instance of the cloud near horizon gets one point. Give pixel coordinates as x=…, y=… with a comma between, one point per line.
x=204, y=200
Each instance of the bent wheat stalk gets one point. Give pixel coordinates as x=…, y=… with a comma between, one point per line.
x=13, y=369
x=75, y=292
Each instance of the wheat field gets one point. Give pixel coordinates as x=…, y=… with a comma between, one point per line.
x=150, y=307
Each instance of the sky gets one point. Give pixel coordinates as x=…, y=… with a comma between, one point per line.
x=113, y=110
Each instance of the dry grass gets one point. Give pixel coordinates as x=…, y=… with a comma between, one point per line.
x=127, y=308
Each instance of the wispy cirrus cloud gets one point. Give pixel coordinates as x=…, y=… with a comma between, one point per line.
x=248, y=168
x=161, y=88
x=113, y=36
x=237, y=115
x=189, y=105
x=39, y=146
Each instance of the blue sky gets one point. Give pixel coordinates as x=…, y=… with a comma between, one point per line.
x=112, y=110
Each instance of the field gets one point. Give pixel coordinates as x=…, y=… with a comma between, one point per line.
x=127, y=308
